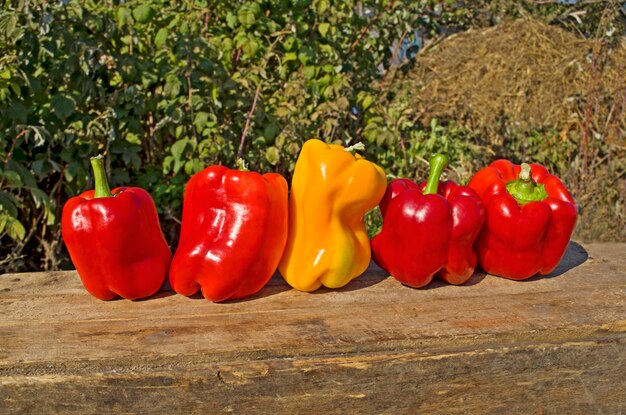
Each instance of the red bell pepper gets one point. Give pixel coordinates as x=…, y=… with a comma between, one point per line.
x=428, y=229
x=233, y=234
x=114, y=240
x=530, y=219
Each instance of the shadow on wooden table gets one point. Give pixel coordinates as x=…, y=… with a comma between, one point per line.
x=437, y=282
x=372, y=276
x=574, y=256
x=276, y=285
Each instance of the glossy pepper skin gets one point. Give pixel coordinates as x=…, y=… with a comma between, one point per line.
x=233, y=233
x=526, y=234
x=115, y=241
x=428, y=230
x=331, y=191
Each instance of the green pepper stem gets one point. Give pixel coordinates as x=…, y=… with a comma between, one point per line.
x=525, y=182
x=355, y=147
x=438, y=163
x=241, y=164
x=525, y=175
x=100, y=177
x=525, y=189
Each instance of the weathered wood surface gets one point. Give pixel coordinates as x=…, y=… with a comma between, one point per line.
x=549, y=345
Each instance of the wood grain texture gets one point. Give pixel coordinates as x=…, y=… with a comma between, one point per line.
x=548, y=345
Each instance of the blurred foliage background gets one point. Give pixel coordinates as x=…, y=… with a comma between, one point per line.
x=165, y=88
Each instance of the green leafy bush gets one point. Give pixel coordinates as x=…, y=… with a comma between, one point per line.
x=164, y=89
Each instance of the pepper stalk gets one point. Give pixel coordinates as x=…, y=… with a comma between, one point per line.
x=524, y=189
x=437, y=163
x=355, y=147
x=102, y=188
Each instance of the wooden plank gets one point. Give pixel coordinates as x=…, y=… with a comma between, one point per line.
x=554, y=344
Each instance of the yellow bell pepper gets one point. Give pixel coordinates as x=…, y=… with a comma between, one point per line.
x=331, y=191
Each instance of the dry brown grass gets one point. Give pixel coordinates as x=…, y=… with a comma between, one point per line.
x=521, y=75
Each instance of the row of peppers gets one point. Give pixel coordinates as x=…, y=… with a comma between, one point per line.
x=238, y=227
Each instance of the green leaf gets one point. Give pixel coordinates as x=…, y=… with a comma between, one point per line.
x=50, y=216
x=193, y=166
x=308, y=72
x=231, y=20
x=13, y=179
x=133, y=138
x=321, y=6
x=178, y=164
x=200, y=121
x=38, y=167
x=177, y=115
x=245, y=17
x=161, y=37
x=270, y=131
x=302, y=57
x=179, y=131
x=247, y=14
x=289, y=43
x=184, y=29
x=9, y=25
x=8, y=203
x=272, y=154
x=123, y=16
x=148, y=79
x=119, y=177
x=367, y=101
x=293, y=148
x=13, y=228
x=280, y=140
x=143, y=13
x=289, y=56
x=172, y=86
x=39, y=197
x=18, y=113
x=250, y=47
x=73, y=169
x=175, y=22
x=26, y=176
x=323, y=28
x=63, y=106
x=167, y=164
x=178, y=148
